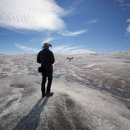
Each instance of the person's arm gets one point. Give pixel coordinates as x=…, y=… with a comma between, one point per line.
x=38, y=58
x=52, y=59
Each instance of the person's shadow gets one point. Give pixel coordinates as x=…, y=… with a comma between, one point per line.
x=32, y=119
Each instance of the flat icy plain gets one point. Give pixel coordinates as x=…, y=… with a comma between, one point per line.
x=91, y=92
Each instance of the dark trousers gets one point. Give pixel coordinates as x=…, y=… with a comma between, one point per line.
x=43, y=85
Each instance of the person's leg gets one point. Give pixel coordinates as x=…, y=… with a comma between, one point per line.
x=43, y=85
x=49, y=83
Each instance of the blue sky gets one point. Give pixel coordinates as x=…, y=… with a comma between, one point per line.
x=71, y=26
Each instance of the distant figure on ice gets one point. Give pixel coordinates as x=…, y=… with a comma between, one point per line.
x=69, y=58
x=46, y=58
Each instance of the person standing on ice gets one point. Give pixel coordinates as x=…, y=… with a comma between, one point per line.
x=46, y=58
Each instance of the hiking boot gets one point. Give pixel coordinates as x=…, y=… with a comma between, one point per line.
x=48, y=94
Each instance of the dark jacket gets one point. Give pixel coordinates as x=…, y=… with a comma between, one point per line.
x=46, y=58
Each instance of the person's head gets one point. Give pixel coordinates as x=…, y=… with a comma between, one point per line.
x=46, y=45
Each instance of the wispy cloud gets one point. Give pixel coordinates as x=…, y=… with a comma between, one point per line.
x=73, y=34
x=69, y=11
x=124, y=4
x=72, y=9
x=92, y=21
x=128, y=28
x=128, y=20
x=67, y=49
x=31, y=15
x=26, y=48
x=63, y=49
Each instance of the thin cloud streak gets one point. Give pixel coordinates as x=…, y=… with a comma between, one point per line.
x=70, y=50
x=93, y=21
x=31, y=15
x=73, y=34
x=25, y=48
